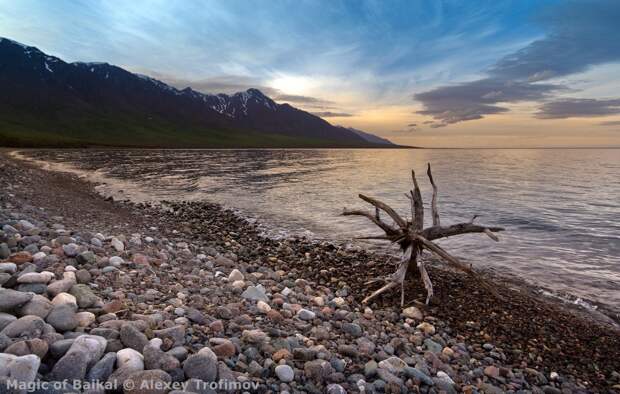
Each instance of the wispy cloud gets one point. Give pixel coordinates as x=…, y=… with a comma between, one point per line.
x=580, y=35
x=575, y=107
x=474, y=100
x=329, y=114
x=306, y=100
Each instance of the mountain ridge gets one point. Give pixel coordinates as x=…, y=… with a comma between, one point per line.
x=49, y=102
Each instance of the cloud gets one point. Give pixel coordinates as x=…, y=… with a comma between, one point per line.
x=576, y=107
x=474, y=100
x=221, y=84
x=610, y=123
x=237, y=83
x=329, y=114
x=579, y=35
x=292, y=98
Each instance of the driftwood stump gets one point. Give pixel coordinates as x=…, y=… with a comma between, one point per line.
x=412, y=238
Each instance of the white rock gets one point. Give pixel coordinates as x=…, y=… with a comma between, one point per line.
x=19, y=369
x=64, y=298
x=116, y=261
x=235, y=275
x=286, y=292
x=117, y=244
x=85, y=319
x=413, y=313
x=9, y=268
x=444, y=376
x=238, y=284
x=129, y=359
x=263, y=306
x=38, y=256
x=339, y=301
x=36, y=277
x=319, y=301
x=69, y=268
x=255, y=293
x=426, y=328
x=305, y=314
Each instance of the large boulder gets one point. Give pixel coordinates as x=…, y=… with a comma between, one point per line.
x=102, y=370
x=37, y=306
x=202, y=365
x=85, y=351
x=11, y=299
x=26, y=327
x=127, y=362
x=62, y=317
x=84, y=296
x=132, y=337
x=17, y=370
x=155, y=358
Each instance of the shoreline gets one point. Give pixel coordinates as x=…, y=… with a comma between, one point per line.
x=116, y=189
x=525, y=330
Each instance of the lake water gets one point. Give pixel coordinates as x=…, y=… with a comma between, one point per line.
x=560, y=207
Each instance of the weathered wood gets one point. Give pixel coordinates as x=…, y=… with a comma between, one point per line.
x=437, y=232
x=384, y=226
x=491, y=235
x=413, y=237
x=418, y=205
x=402, y=223
x=436, y=249
x=428, y=285
x=396, y=279
x=434, y=209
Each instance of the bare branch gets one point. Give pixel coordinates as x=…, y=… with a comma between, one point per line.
x=491, y=235
x=387, y=209
x=418, y=205
x=434, y=209
x=384, y=226
x=428, y=285
x=456, y=263
x=397, y=278
x=437, y=232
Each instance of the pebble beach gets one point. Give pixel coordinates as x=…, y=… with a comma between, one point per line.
x=102, y=296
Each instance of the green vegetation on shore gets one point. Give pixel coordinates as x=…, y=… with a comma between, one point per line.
x=89, y=129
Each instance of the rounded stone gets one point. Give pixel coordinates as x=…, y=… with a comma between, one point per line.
x=11, y=299
x=62, y=317
x=154, y=381
x=305, y=314
x=285, y=373
x=25, y=327
x=202, y=365
x=34, y=346
x=20, y=369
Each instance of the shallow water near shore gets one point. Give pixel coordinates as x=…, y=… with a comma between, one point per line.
x=560, y=207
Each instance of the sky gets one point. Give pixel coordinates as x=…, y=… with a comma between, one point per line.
x=540, y=73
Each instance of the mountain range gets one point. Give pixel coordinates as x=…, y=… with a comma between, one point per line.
x=45, y=101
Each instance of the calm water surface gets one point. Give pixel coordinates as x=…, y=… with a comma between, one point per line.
x=560, y=207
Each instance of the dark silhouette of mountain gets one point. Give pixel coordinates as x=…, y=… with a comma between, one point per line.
x=45, y=101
